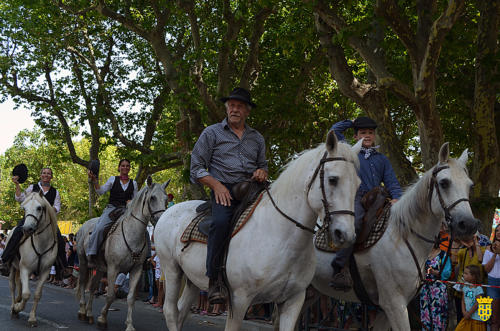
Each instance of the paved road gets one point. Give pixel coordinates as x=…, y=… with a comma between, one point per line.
x=58, y=311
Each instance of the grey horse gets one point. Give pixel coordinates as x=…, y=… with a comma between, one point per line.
x=37, y=253
x=124, y=251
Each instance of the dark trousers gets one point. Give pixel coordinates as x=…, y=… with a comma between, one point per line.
x=10, y=250
x=219, y=232
x=343, y=255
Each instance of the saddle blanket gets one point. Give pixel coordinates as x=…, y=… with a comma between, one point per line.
x=324, y=242
x=193, y=234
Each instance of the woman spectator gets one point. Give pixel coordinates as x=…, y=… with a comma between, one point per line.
x=491, y=263
x=434, y=297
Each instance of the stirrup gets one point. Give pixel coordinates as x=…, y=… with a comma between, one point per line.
x=217, y=292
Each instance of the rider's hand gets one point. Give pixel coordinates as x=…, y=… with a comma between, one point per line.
x=91, y=175
x=15, y=179
x=222, y=195
x=260, y=175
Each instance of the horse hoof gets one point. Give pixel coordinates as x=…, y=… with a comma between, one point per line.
x=102, y=325
x=13, y=314
x=82, y=317
x=32, y=324
x=90, y=319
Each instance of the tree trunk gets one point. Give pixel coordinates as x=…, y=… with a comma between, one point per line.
x=486, y=149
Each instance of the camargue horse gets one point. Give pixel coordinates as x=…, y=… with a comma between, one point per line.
x=125, y=251
x=38, y=251
x=388, y=271
x=270, y=259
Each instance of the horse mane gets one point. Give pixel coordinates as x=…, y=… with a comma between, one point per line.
x=51, y=212
x=135, y=200
x=302, y=162
x=414, y=203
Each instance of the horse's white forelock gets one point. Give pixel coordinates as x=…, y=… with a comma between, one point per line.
x=306, y=162
x=49, y=209
x=414, y=204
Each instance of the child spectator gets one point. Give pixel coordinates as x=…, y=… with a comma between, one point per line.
x=471, y=320
x=491, y=263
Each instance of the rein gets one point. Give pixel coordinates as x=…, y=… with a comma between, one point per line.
x=328, y=214
x=136, y=255
x=39, y=255
x=449, y=219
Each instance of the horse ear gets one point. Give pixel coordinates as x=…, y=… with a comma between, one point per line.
x=357, y=147
x=164, y=185
x=444, y=153
x=331, y=142
x=464, y=157
x=149, y=181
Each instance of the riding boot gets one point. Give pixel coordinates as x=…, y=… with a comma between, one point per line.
x=342, y=281
x=217, y=291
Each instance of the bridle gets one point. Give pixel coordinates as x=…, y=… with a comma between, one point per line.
x=328, y=214
x=150, y=210
x=433, y=185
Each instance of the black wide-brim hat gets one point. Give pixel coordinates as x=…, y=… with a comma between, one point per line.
x=241, y=94
x=364, y=122
x=94, y=167
x=20, y=170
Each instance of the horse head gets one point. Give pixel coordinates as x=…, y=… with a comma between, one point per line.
x=35, y=207
x=449, y=190
x=155, y=199
x=333, y=187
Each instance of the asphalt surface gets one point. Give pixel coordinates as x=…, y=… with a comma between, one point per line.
x=58, y=309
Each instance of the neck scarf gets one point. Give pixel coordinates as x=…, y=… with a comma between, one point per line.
x=44, y=184
x=369, y=151
x=123, y=177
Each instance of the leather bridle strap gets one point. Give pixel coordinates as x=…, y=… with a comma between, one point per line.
x=420, y=275
x=434, y=185
x=297, y=224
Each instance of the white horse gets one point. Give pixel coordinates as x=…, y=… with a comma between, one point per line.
x=38, y=251
x=388, y=270
x=269, y=259
x=125, y=251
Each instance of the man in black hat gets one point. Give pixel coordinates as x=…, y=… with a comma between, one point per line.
x=374, y=169
x=226, y=153
x=53, y=197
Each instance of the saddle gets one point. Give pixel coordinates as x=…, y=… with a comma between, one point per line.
x=374, y=202
x=246, y=192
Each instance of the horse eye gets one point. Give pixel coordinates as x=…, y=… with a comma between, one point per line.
x=444, y=183
x=333, y=180
x=38, y=208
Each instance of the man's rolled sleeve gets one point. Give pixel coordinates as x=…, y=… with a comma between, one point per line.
x=261, y=158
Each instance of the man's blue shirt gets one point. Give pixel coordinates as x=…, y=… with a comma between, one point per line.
x=374, y=170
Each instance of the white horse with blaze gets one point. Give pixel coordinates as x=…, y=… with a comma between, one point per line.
x=269, y=259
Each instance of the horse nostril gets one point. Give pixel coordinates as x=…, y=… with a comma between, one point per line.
x=461, y=225
x=339, y=236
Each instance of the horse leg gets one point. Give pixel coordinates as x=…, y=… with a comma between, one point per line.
x=135, y=276
x=189, y=295
x=94, y=281
x=289, y=311
x=12, y=286
x=38, y=294
x=172, y=289
x=102, y=320
x=25, y=285
x=239, y=306
x=83, y=278
x=395, y=310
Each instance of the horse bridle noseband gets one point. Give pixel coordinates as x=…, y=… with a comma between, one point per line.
x=434, y=185
x=151, y=212
x=321, y=170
